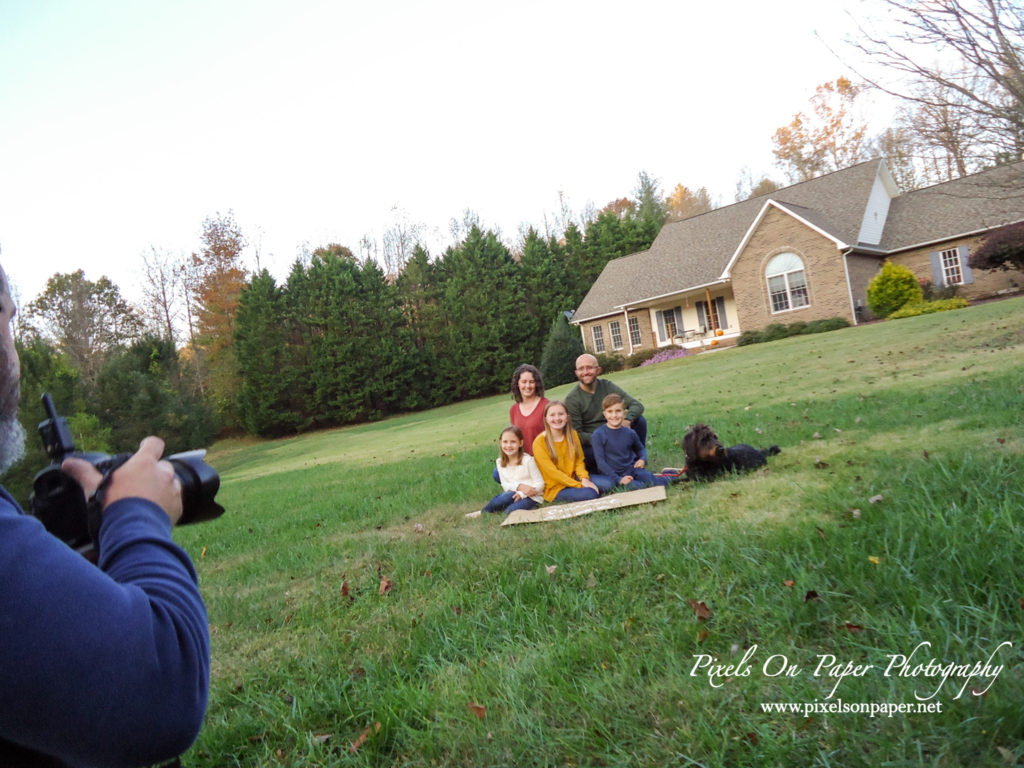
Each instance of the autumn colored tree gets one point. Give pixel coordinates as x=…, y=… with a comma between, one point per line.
x=685, y=202
x=830, y=138
x=218, y=278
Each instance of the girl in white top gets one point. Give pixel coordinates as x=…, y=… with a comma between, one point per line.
x=518, y=474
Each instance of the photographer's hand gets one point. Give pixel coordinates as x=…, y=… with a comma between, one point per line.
x=143, y=476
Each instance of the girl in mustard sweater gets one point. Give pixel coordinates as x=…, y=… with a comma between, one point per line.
x=559, y=454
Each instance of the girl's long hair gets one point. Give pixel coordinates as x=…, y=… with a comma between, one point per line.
x=519, y=434
x=569, y=435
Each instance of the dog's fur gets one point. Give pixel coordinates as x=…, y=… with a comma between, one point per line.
x=706, y=457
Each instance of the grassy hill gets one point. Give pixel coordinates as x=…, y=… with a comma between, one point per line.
x=359, y=619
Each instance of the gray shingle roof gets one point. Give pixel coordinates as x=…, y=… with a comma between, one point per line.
x=694, y=252
x=957, y=208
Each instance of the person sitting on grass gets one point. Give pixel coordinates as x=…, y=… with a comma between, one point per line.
x=518, y=474
x=618, y=451
x=559, y=455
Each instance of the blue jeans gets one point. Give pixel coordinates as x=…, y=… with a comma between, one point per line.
x=505, y=501
x=644, y=479
x=603, y=482
x=576, y=494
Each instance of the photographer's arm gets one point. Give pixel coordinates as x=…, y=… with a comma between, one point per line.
x=110, y=665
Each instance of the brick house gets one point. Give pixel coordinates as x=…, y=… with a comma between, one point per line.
x=806, y=252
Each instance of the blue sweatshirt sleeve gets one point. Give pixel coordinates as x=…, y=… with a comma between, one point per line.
x=108, y=665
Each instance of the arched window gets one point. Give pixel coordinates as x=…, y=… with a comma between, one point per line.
x=787, y=282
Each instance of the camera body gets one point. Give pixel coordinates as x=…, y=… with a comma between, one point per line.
x=60, y=503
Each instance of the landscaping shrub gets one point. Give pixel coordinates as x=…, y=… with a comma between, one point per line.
x=931, y=293
x=779, y=331
x=773, y=332
x=928, y=307
x=610, y=363
x=892, y=288
x=749, y=337
x=827, y=324
x=640, y=357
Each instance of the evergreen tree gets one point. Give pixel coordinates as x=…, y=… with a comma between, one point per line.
x=140, y=392
x=562, y=347
x=484, y=303
x=270, y=391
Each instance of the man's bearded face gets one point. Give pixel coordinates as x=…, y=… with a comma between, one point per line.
x=12, y=434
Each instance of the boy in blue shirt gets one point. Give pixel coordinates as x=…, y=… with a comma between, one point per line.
x=618, y=450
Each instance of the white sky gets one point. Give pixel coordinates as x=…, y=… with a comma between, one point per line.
x=125, y=123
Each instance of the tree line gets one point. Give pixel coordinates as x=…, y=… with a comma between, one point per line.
x=217, y=348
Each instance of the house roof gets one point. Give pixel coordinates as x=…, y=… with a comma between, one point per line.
x=690, y=254
x=956, y=208
x=695, y=252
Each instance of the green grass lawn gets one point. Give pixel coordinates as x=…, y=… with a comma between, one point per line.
x=359, y=619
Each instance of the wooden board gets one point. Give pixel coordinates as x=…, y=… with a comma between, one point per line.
x=577, y=508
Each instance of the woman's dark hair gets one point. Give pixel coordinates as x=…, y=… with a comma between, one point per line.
x=526, y=368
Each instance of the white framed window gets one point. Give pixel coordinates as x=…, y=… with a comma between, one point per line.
x=950, y=267
x=952, y=274
x=598, y=333
x=615, y=331
x=787, y=283
x=634, y=332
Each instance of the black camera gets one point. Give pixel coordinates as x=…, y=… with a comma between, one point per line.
x=60, y=503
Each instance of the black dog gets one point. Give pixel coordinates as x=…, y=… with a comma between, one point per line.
x=706, y=457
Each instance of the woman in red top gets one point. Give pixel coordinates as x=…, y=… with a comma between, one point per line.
x=527, y=412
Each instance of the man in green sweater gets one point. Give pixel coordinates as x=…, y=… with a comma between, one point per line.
x=584, y=406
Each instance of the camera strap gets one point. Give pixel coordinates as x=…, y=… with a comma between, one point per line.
x=94, y=505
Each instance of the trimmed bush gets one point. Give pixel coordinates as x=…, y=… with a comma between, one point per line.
x=779, y=331
x=892, y=288
x=928, y=307
x=610, y=363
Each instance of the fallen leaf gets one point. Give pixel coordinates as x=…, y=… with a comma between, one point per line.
x=551, y=569
x=816, y=436
x=700, y=609
x=854, y=627
x=874, y=559
x=811, y=595
x=321, y=738
x=820, y=464
x=1008, y=757
x=820, y=532
x=203, y=553
x=385, y=586
x=855, y=512
x=477, y=709
x=925, y=454
x=344, y=589
x=456, y=610
x=1001, y=440
x=702, y=636
x=875, y=499
x=418, y=527
x=789, y=583
x=364, y=736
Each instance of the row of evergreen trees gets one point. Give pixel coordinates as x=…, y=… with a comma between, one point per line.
x=339, y=342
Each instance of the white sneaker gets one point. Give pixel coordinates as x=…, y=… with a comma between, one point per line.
x=473, y=514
